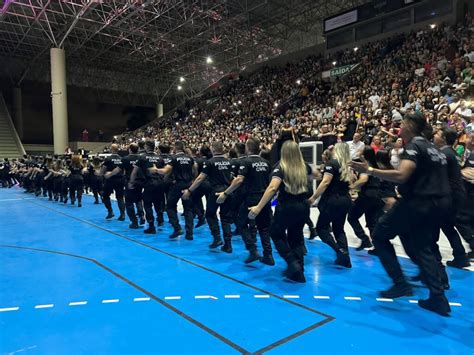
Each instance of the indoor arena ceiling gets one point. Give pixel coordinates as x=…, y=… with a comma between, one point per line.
x=143, y=47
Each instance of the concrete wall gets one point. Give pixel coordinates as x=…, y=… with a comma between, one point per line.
x=37, y=114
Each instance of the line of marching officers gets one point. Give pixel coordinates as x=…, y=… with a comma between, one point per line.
x=430, y=195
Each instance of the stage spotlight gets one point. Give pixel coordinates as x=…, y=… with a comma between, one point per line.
x=209, y=60
x=181, y=79
x=179, y=87
x=334, y=63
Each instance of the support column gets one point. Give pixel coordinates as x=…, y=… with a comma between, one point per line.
x=159, y=110
x=59, y=100
x=18, y=111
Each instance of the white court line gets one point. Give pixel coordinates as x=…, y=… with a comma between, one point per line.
x=205, y=297
x=111, y=301
x=9, y=309
x=353, y=298
x=172, y=297
x=291, y=296
x=321, y=297
x=16, y=199
x=81, y=303
x=40, y=306
x=413, y=301
x=231, y=296
x=384, y=299
x=142, y=299
x=261, y=296
x=455, y=304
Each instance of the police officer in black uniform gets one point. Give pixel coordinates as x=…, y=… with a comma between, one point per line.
x=239, y=194
x=133, y=191
x=335, y=203
x=167, y=180
x=444, y=139
x=218, y=171
x=148, y=164
x=368, y=202
x=204, y=188
x=292, y=210
x=113, y=181
x=254, y=173
x=94, y=178
x=76, y=180
x=425, y=201
x=183, y=168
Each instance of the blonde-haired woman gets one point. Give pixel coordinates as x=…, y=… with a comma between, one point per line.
x=290, y=179
x=335, y=202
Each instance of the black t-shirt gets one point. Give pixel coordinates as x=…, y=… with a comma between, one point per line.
x=235, y=165
x=430, y=178
x=336, y=186
x=75, y=172
x=284, y=195
x=387, y=189
x=128, y=162
x=371, y=187
x=167, y=158
x=146, y=161
x=200, y=164
x=182, y=168
x=218, y=171
x=351, y=129
x=45, y=169
x=111, y=162
x=256, y=171
x=454, y=172
x=328, y=141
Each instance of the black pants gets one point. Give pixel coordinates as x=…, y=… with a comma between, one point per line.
x=163, y=208
x=152, y=198
x=332, y=213
x=287, y=229
x=134, y=197
x=96, y=185
x=416, y=220
x=116, y=185
x=38, y=183
x=57, y=186
x=76, y=187
x=262, y=222
x=372, y=207
x=173, y=198
x=465, y=219
x=202, y=191
x=225, y=213
x=448, y=228
x=50, y=187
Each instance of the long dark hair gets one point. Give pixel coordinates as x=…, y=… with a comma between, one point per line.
x=383, y=159
x=369, y=156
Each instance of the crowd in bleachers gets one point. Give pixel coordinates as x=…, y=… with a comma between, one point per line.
x=430, y=70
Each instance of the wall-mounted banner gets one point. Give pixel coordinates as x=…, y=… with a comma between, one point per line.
x=333, y=73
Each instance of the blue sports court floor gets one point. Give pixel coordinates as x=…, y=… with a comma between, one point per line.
x=73, y=283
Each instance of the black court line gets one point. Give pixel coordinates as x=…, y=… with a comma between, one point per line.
x=328, y=318
x=141, y=289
